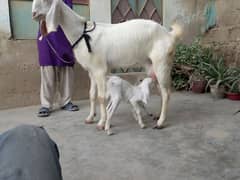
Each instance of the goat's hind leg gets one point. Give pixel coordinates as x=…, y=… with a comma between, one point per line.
x=162, y=66
x=164, y=79
x=165, y=99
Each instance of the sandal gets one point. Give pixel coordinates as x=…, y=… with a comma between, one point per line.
x=43, y=112
x=70, y=107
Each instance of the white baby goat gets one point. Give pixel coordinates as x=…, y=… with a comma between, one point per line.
x=125, y=44
x=119, y=89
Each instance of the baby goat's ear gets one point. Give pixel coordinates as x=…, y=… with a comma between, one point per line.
x=53, y=16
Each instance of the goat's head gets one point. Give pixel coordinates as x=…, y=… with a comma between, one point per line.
x=47, y=12
x=146, y=82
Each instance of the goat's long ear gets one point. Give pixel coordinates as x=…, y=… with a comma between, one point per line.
x=53, y=16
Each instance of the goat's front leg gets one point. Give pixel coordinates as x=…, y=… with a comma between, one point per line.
x=144, y=108
x=111, y=108
x=137, y=110
x=92, y=96
x=134, y=115
x=101, y=86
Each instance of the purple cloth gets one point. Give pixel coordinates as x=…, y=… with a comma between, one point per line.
x=59, y=42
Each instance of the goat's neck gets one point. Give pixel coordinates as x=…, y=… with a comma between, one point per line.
x=71, y=23
x=145, y=90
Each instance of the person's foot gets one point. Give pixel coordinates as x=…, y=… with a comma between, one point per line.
x=70, y=107
x=43, y=112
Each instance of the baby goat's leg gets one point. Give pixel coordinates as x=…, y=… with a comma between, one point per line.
x=111, y=108
x=92, y=96
x=145, y=109
x=137, y=110
x=134, y=115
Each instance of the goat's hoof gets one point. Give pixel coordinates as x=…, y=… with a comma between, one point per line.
x=143, y=126
x=159, y=127
x=106, y=128
x=100, y=127
x=89, y=121
x=109, y=132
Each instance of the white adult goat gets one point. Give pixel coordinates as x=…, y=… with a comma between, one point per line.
x=142, y=42
x=119, y=89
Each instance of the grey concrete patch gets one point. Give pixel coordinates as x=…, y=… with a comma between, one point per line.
x=201, y=141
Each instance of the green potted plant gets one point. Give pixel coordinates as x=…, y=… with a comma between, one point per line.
x=180, y=76
x=233, y=93
x=217, y=89
x=186, y=74
x=233, y=85
x=217, y=74
x=197, y=82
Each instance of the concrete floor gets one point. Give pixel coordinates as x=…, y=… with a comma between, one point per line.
x=201, y=141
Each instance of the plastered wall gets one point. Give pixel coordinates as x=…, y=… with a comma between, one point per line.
x=190, y=13
x=20, y=76
x=4, y=19
x=225, y=37
x=19, y=69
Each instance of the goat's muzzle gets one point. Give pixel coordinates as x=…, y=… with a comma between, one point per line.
x=34, y=15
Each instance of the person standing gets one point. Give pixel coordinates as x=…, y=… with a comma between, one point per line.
x=56, y=61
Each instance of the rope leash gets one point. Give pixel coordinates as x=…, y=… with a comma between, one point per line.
x=86, y=37
x=57, y=54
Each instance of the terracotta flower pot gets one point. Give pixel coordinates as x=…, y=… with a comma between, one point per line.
x=233, y=96
x=217, y=92
x=198, y=86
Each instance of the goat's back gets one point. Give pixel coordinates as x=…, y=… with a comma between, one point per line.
x=129, y=43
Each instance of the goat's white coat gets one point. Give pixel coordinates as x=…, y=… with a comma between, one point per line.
x=119, y=89
x=114, y=45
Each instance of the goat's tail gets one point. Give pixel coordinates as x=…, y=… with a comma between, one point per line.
x=177, y=31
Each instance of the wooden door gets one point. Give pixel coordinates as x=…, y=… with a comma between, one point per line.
x=123, y=10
